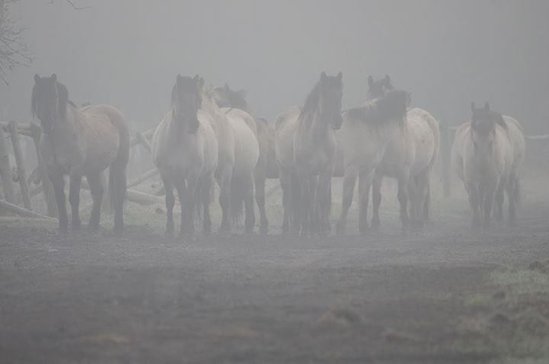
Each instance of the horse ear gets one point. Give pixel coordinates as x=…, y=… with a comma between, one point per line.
x=323, y=76
x=370, y=81
x=53, y=77
x=487, y=106
x=36, y=78
x=339, y=76
x=473, y=107
x=227, y=88
x=387, y=80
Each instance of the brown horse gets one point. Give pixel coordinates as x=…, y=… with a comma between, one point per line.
x=81, y=142
x=305, y=146
x=266, y=166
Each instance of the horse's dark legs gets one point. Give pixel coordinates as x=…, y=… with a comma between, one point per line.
x=285, y=184
x=376, y=199
x=324, y=198
x=248, y=188
x=58, y=182
x=513, y=194
x=260, y=200
x=474, y=202
x=349, y=181
x=74, y=199
x=224, y=182
x=500, y=197
x=170, y=202
x=205, y=191
x=97, y=190
x=364, y=184
x=403, y=201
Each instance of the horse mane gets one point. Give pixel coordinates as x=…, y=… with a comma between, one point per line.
x=311, y=101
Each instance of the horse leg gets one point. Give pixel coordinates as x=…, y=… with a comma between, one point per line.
x=296, y=202
x=205, y=191
x=500, y=197
x=285, y=184
x=349, y=181
x=421, y=195
x=324, y=197
x=58, y=183
x=376, y=199
x=304, y=203
x=96, y=188
x=182, y=192
x=248, y=189
x=192, y=193
x=224, y=182
x=427, y=201
x=364, y=183
x=117, y=183
x=403, y=199
x=74, y=199
x=260, y=200
x=170, y=202
x=512, y=195
x=473, y=194
x=488, y=201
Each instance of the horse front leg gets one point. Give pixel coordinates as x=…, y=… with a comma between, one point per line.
x=349, y=181
x=74, y=199
x=403, y=197
x=260, y=199
x=205, y=192
x=224, y=181
x=376, y=199
x=500, y=197
x=324, y=197
x=474, y=203
x=249, y=221
x=513, y=195
x=170, y=202
x=97, y=190
x=285, y=184
x=364, y=183
x=184, y=202
x=58, y=183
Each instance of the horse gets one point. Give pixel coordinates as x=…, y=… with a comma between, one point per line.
x=266, y=165
x=409, y=158
x=364, y=136
x=486, y=155
x=238, y=157
x=305, y=147
x=81, y=142
x=185, y=151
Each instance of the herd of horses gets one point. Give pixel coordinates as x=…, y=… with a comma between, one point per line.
x=209, y=136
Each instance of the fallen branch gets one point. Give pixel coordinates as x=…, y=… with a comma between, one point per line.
x=23, y=211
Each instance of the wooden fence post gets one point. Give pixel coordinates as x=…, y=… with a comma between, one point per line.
x=5, y=169
x=445, y=159
x=47, y=188
x=21, y=174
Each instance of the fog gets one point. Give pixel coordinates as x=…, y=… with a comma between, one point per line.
x=446, y=53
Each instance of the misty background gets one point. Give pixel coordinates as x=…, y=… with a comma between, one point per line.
x=446, y=53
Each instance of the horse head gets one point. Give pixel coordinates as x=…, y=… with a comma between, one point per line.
x=186, y=101
x=379, y=88
x=330, y=92
x=483, y=128
x=49, y=101
x=227, y=97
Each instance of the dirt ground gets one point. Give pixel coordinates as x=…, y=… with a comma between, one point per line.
x=445, y=295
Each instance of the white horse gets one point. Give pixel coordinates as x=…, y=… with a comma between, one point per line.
x=409, y=158
x=238, y=156
x=363, y=137
x=185, y=151
x=486, y=154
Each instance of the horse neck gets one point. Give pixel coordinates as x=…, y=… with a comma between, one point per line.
x=315, y=124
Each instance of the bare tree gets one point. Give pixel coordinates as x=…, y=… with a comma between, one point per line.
x=13, y=51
